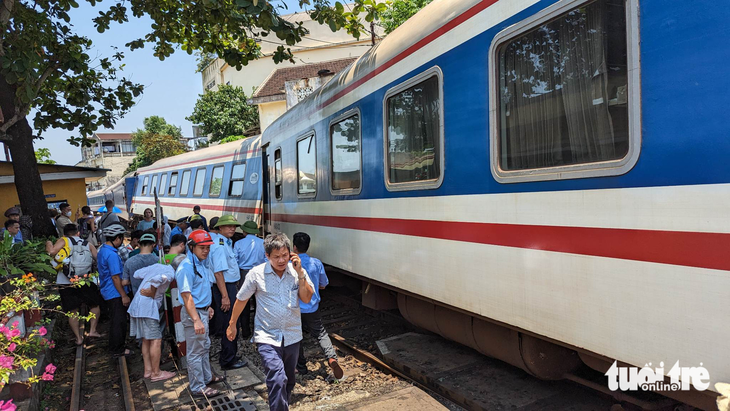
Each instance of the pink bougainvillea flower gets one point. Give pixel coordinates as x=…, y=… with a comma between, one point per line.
x=47, y=377
x=7, y=406
x=14, y=333
x=6, y=361
x=42, y=331
x=50, y=368
x=16, y=324
x=12, y=347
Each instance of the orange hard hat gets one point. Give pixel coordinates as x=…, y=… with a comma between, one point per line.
x=200, y=237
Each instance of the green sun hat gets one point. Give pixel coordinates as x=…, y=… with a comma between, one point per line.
x=250, y=227
x=227, y=219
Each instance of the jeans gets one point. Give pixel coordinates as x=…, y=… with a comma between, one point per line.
x=117, y=325
x=312, y=325
x=279, y=364
x=198, y=350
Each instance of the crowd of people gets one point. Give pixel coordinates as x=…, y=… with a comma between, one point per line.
x=219, y=274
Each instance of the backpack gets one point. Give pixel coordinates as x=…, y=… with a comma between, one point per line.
x=80, y=260
x=84, y=230
x=62, y=255
x=99, y=228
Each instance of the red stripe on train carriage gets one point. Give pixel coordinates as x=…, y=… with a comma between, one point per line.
x=476, y=9
x=693, y=249
x=212, y=207
x=145, y=171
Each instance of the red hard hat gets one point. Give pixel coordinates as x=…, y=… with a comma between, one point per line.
x=200, y=237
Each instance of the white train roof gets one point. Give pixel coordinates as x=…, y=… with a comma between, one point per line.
x=428, y=20
x=235, y=150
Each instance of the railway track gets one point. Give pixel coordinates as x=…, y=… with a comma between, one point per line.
x=77, y=389
x=356, y=329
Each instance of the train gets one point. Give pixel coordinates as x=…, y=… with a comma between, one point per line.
x=543, y=181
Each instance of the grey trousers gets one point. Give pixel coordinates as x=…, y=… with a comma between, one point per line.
x=312, y=325
x=198, y=351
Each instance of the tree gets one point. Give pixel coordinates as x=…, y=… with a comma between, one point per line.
x=399, y=11
x=156, y=141
x=46, y=66
x=224, y=113
x=43, y=156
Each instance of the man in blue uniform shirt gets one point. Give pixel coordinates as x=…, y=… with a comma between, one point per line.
x=311, y=318
x=193, y=282
x=110, y=269
x=225, y=268
x=249, y=253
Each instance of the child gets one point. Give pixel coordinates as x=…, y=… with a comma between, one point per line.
x=145, y=317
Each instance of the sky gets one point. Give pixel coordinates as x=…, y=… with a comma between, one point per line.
x=171, y=86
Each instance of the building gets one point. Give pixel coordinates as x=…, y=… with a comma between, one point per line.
x=61, y=184
x=287, y=86
x=112, y=151
x=321, y=44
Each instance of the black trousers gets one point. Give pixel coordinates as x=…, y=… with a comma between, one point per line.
x=220, y=321
x=117, y=325
x=244, y=321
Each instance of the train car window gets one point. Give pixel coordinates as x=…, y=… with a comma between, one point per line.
x=185, y=183
x=306, y=166
x=345, y=154
x=277, y=174
x=238, y=175
x=145, y=183
x=199, y=182
x=414, y=133
x=173, y=185
x=163, y=184
x=562, y=94
x=153, y=187
x=216, y=182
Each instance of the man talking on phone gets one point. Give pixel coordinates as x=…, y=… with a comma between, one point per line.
x=278, y=285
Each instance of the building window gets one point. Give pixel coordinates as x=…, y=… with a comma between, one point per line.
x=199, y=182
x=163, y=183
x=173, y=185
x=306, y=166
x=346, y=158
x=277, y=174
x=210, y=85
x=145, y=183
x=154, y=188
x=216, y=182
x=238, y=174
x=110, y=147
x=562, y=95
x=185, y=183
x=128, y=147
x=414, y=130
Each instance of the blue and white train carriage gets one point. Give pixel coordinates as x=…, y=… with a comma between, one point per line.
x=545, y=181
x=220, y=179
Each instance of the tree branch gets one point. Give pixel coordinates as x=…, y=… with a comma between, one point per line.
x=5, y=11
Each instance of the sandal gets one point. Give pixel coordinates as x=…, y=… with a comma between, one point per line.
x=216, y=379
x=207, y=392
x=164, y=375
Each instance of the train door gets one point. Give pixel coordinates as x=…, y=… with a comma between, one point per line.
x=265, y=187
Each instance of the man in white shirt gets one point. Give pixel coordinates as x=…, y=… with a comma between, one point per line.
x=278, y=286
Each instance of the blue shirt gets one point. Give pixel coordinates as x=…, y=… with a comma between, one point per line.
x=249, y=252
x=315, y=269
x=109, y=265
x=223, y=259
x=205, y=222
x=145, y=225
x=174, y=231
x=18, y=239
x=197, y=285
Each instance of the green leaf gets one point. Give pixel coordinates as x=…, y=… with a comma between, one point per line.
x=333, y=25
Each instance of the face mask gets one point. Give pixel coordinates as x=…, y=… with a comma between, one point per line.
x=68, y=214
